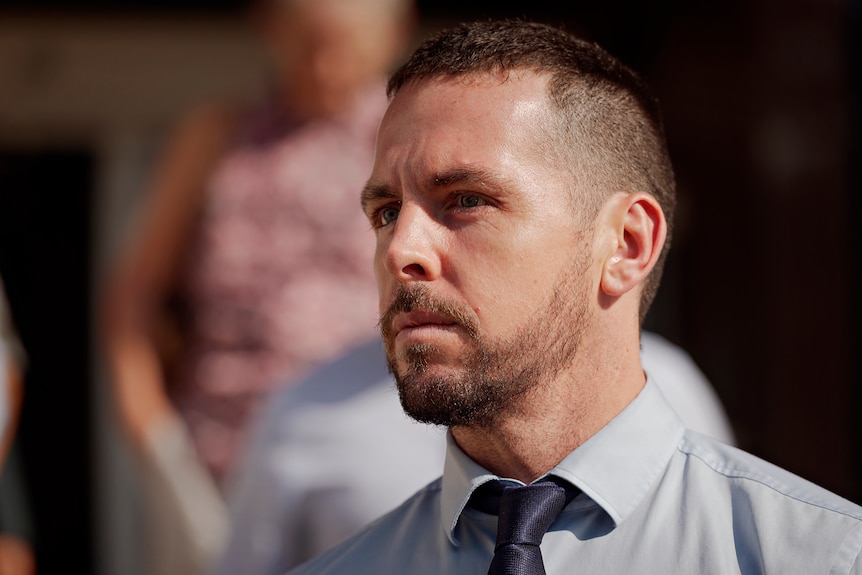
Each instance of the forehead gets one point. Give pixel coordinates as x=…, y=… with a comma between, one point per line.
x=490, y=94
x=466, y=120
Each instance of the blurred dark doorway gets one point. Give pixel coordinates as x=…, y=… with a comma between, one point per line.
x=44, y=255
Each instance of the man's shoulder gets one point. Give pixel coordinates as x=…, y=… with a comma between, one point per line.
x=741, y=470
x=765, y=518
x=778, y=519
x=387, y=545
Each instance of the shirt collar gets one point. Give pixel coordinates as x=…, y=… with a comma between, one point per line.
x=614, y=468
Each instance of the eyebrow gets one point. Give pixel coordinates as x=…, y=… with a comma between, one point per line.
x=373, y=193
x=466, y=175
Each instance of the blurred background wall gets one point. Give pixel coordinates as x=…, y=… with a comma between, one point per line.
x=761, y=100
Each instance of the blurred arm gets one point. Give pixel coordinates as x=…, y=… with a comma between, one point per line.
x=16, y=556
x=14, y=390
x=145, y=273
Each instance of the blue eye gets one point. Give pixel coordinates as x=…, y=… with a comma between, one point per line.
x=468, y=201
x=388, y=215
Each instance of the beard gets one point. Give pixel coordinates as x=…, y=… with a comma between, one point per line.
x=495, y=374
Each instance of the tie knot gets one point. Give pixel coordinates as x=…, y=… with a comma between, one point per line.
x=526, y=512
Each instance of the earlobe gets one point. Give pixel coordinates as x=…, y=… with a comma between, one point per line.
x=639, y=229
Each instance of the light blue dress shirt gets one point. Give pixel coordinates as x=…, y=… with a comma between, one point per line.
x=656, y=499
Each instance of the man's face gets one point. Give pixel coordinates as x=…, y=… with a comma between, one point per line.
x=483, y=265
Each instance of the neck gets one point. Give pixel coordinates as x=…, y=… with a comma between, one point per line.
x=554, y=418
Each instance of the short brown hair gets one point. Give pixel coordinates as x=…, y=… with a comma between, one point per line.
x=610, y=124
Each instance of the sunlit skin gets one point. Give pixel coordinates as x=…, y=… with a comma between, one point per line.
x=475, y=214
x=464, y=203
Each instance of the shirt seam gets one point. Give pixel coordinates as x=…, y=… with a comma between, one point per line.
x=769, y=481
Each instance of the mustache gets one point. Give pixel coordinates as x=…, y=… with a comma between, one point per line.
x=418, y=297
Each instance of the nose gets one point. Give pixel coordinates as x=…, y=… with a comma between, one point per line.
x=411, y=253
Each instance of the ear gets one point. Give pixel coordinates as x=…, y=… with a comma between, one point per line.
x=639, y=228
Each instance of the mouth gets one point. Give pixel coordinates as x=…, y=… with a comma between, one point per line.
x=417, y=319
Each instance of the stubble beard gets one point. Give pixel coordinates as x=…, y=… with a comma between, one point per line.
x=495, y=375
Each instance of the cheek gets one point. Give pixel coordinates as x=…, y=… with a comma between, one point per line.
x=504, y=292
x=516, y=281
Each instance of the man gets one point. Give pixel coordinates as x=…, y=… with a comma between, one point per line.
x=521, y=197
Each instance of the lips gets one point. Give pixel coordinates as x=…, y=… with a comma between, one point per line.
x=419, y=318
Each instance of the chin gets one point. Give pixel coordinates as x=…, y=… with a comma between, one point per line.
x=422, y=370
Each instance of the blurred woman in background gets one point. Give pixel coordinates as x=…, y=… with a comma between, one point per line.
x=252, y=261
